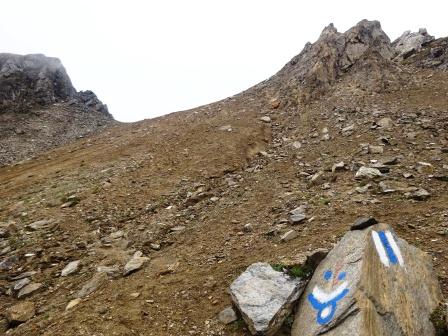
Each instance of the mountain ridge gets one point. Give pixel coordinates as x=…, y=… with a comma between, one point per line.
x=206, y=192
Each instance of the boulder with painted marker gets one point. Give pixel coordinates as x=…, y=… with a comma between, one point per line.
x=371, y=283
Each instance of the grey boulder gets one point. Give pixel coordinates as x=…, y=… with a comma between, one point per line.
x=265, y=297
x=371, y=283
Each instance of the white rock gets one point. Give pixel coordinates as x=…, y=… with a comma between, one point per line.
x=72, y=303
x=290, y=235
x=370, y=173
x=265, y=119
x=71, y=268
x=265, y=297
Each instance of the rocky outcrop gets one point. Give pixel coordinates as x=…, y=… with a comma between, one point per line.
x=409, y=42
x=371, y=283
x=360, y=49
x=432, y=55
x=40, y=108
x=32, y=79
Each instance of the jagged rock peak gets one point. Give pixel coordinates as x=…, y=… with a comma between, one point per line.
x=30, y=80
x=320, y=64
x=409, y=43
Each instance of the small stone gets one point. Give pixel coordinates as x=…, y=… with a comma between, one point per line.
x=71, y=268
x=376, y=149
x=290, y=235
x=226, y=128
x=346, y=131
x=38, y=225
x=265, y=119
x=19, y=284
x=72, y=303
x=177, y=228
x=296, y=145
x=4, y=233
x=29, y=289
x=112, y=271
x=68, y=204
x=24, y=275
x=363, y=189
x=116, y=234
x=338, y=166
x=388, y=160
x=274, y=103
x=363, y=223
x=248, y=227
x=227, y=315
x=424, y=168
x=385, y=123
x=418, y=195
x=92, y=285
x=20, y=313
x=134, y=264
x=135, y=295
x=369, y=173
x=296, y=218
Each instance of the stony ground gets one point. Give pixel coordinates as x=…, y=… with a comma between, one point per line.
x=205, y=193
x=140, y=229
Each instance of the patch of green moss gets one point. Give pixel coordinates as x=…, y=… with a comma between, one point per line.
x=296, y=271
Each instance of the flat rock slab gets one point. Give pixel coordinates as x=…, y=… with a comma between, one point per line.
x=29, y=290
x=265, y=297
x=371, y=283
x=71, y=268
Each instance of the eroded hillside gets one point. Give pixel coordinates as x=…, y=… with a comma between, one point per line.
x=206, y=192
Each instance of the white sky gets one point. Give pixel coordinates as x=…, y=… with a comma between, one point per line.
x=149, y=58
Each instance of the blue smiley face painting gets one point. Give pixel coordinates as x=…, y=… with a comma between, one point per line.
x=326, y=302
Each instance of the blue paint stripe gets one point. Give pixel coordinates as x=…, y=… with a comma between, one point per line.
x=390, y=252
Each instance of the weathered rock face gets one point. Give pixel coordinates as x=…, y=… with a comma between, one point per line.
x=40, y=108
x=432, y=55
x=32, y=79
x=371, y=283
x=265, y=297
x=410, y=42
x=320, y=64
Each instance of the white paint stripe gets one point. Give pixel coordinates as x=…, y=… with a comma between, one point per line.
x=380, y=249
x=325, y=297
x=395, y=248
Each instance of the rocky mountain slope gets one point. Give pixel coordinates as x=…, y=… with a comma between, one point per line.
x=140, y=229
x=40, y=108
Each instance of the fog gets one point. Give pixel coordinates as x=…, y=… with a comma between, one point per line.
x=148, y=58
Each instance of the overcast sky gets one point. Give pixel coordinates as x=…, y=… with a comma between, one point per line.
x=149, y=58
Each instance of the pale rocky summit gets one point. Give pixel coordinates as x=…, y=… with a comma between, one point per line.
x=411, y=42
x=371, y=283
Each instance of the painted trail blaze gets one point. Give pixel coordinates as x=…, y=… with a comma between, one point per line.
x=387, y=248
x=326, y=303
